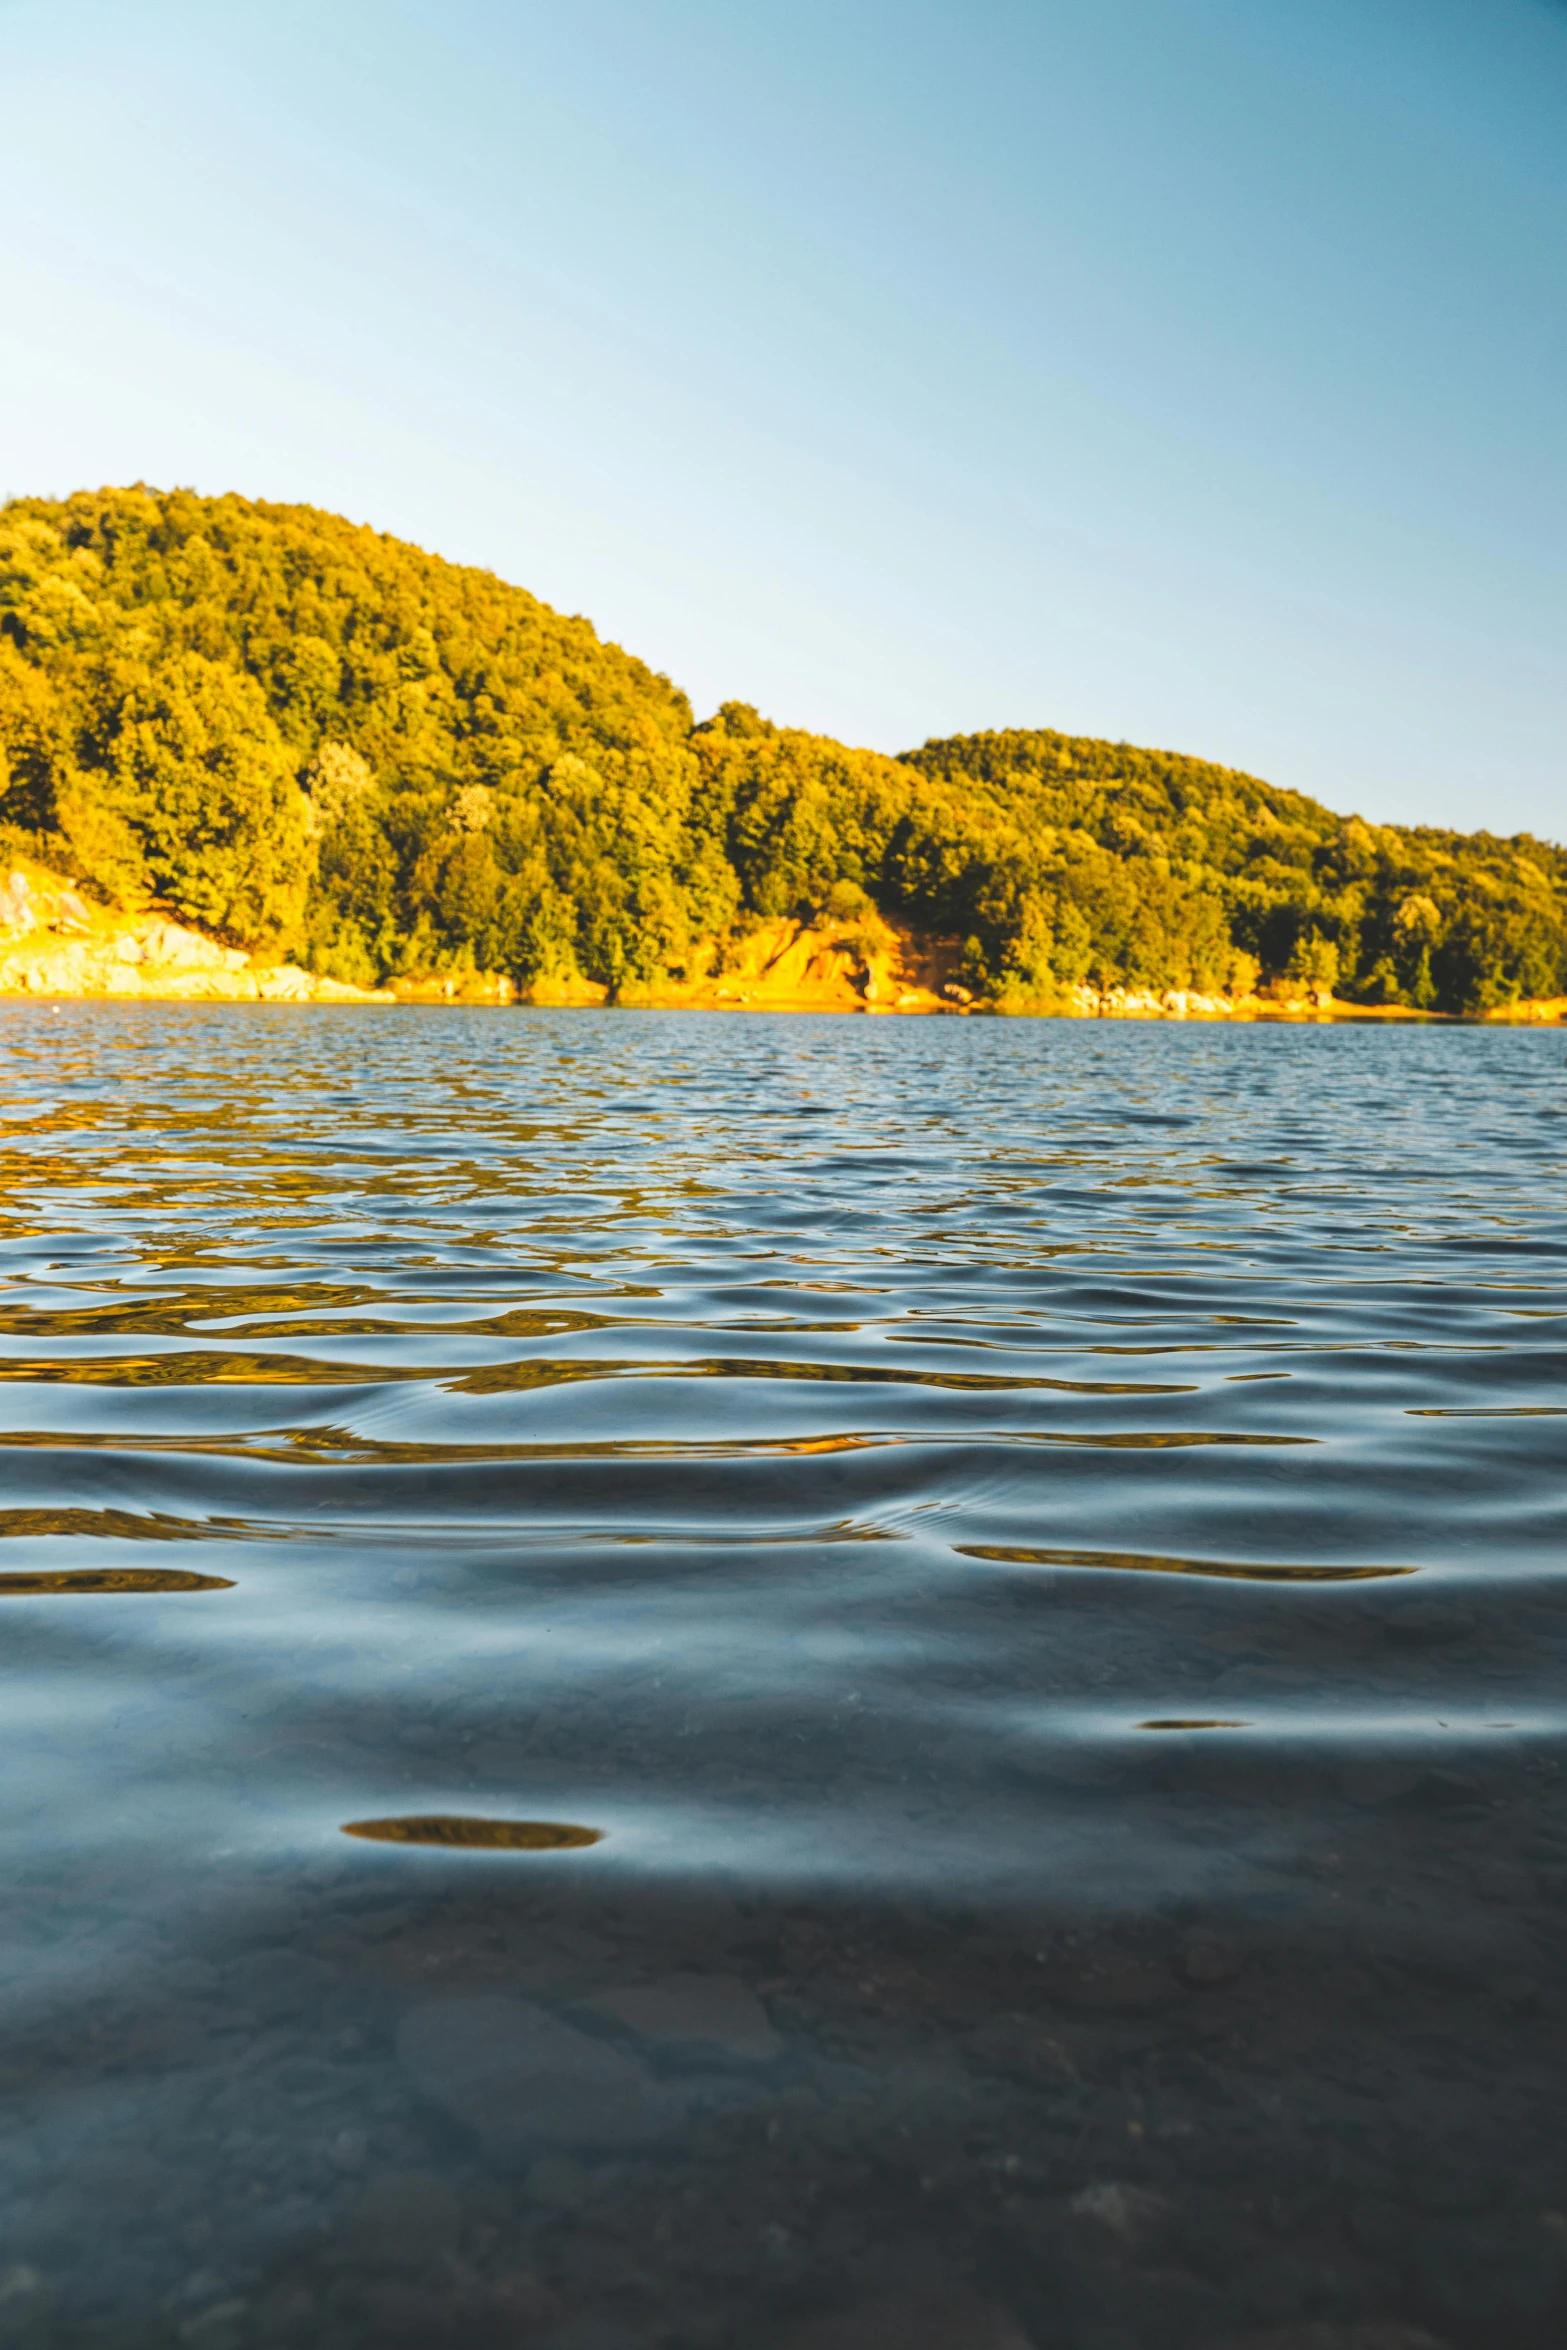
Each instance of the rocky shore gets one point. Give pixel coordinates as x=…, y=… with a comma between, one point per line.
x=872, y=965
x=867, y=964
x=54, y=943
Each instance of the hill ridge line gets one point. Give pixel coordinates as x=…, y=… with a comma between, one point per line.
x=317, y=746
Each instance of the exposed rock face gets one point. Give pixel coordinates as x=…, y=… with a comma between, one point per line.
x=52, y=943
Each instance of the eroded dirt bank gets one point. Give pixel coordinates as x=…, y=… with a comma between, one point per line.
x=873, y=965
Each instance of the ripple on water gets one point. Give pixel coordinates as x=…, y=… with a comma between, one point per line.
x=528, y=1504
x=871, y=1493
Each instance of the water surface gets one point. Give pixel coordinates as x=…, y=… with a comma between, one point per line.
x=1030, y=1554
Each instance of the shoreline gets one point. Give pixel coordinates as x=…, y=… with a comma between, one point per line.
x=56, y=947
x=287, y=984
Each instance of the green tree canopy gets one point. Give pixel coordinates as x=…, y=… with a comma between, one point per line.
x=313, y=738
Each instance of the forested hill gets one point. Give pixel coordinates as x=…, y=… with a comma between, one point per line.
x=314, y=739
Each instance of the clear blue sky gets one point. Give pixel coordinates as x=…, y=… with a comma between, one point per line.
x=1187, y=371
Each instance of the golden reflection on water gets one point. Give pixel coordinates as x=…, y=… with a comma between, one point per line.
x=186, y=1367
x=1194, y=1724
x=111, y=1579
x=1143, y=1563
x=1157, y=1440
x=451, y=1828
x=339, y=1445
x=119, y=1525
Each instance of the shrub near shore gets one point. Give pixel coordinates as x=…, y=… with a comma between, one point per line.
x=313, y=740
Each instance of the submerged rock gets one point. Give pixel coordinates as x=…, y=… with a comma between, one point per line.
x=1111, y=1981
x=714, y=2012
x=522, y=2081
x=1129, y=2213
x=933, y=2320
x=1208, y=1958
x=402, y=2220
x=1376, y=2335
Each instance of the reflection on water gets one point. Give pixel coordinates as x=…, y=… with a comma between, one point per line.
x=813, y=1452
x=1195, y=1722
x=112, y=1579
x=478, y=1835
x=1140, y=1562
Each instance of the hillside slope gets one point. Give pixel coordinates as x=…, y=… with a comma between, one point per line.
x=1103, y=861
x=313, y=739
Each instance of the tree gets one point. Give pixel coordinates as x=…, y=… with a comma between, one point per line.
x=301, y=732
x=194, y=768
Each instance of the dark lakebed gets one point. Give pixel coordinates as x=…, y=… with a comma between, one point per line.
x=1033, y=1550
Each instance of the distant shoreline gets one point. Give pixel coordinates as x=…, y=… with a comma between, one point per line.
x=57, y=946
x=360, y=768
x=284, y=989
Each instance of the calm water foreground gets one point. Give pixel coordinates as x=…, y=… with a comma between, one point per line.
x=1037, y=1547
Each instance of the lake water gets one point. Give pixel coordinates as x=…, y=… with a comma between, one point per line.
x=1035, y=1548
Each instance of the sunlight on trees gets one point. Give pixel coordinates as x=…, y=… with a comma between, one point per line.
x=314, y=739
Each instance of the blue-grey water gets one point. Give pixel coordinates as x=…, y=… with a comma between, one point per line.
x=1037, y=1549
